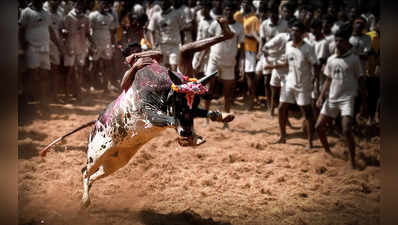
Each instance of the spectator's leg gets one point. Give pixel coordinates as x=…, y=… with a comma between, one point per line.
x=320, y=129
x=282, y=115
x=56, y=79
x=309, y=122
x=347, y=130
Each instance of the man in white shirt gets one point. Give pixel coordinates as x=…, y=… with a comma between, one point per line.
x=55, y=53
x=299, y=81
x=77, y=33
x=200, y=59
x=223, y=55
x=269, y=29
x=361, y=46
x=361, y=42
x=344, y=73
x=167, y=23
x=35, y=33
x=103, y=28
x=321, y=46
x=187, y=18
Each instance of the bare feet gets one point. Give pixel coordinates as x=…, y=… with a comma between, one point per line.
x=225, y=28
x=329, y=152
x=309, y=146
x=281, y=140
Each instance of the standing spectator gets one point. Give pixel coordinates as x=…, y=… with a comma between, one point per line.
x=352, y=14
x=327, y=23
x=76, y=29
x=343, y=71
x=223, y=56
x=152, y=7
x=187, y=19
x=262, y=16
x=299, y=81
x=35, y=35
x=55, y=53
x=103, y=27
x=67, y=6
x=200, y=59
x=251, y=25
x=269, y=28
x=370, y=18
x=341, y=18
x=193, y=5
x=373, y=76
x=321, y=46
x=287, y=11
x=167, y=24
x=361, y=43
x=217, y=10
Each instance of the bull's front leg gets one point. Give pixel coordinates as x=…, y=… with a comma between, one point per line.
x=160, y=119
x=214, y=115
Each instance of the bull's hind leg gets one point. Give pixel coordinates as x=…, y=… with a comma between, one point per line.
x=110, y=165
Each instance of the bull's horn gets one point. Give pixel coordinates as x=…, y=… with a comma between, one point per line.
x=206, y=79
x=175, y=78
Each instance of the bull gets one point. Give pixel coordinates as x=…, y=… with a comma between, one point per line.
x=154, y=98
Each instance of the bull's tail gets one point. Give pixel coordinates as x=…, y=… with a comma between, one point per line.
x=44, y=151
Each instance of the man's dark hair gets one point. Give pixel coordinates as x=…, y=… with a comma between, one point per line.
x=297, y=23
x=128, y=50
x=316, y=23
x=289, y=6
x=344, y=31
x=291, y=21
x=329, y=19
x=229, y=4
x=272, y=6
x=206, y=3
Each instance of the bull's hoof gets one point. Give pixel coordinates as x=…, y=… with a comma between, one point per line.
x=194, y=140
x=227, y=117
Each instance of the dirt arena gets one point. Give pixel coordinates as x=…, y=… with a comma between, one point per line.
x=237, y=177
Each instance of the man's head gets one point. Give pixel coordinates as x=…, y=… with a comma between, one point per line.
x=297, y=30
x=131, y=48
x=352, y=13
x=273, y=14
x=342, y=37
x=263, y=11
x=332, y=10
x=217, y=4
x=165, y=4
x=205, y=5
x=316, y=27
x=247, y=6
x=287, y=11
x=228, y=11
x=38, y=4
x=359, y=24
x=89, y=4
x=177, y=4
x=104, y=6
x=53, y=5
x=327, y=23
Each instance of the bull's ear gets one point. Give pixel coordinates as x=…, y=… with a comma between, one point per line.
x=175, y=78
x=206, y=79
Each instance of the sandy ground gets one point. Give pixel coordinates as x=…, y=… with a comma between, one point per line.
x=237, y=177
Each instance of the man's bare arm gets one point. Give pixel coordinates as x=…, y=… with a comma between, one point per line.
x=325, y=89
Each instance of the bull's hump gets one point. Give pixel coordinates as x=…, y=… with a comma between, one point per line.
x=153, y=76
